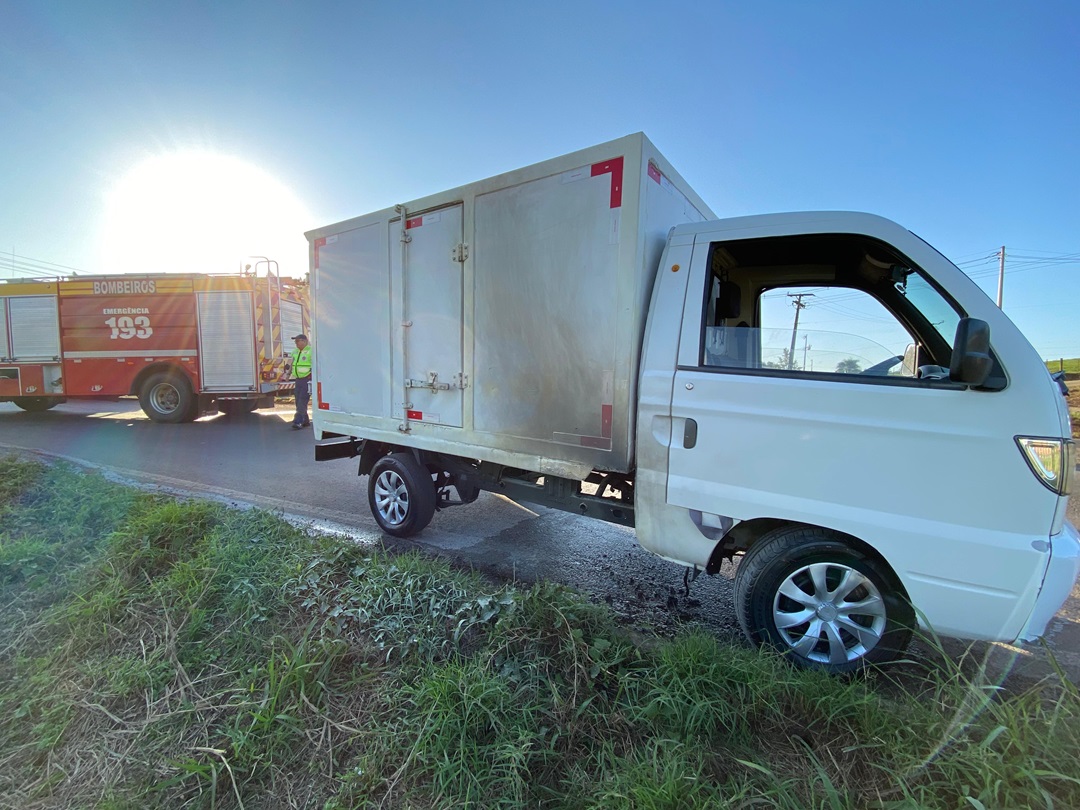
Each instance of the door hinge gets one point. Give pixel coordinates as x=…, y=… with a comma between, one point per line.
x=461, y=381
x=460, y=252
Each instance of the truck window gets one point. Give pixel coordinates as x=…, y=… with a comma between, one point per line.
x=838, y=330
x=823, y=304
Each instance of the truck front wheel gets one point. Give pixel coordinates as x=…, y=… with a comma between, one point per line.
x=167, y=397
x=827, y=605
x=401, y=494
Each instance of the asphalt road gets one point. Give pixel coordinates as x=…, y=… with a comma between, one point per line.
x=257, y=459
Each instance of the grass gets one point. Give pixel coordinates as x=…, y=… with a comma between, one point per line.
x=1070, y=366
x=163, y=653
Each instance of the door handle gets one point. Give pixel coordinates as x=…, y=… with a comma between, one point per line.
x=689, y=436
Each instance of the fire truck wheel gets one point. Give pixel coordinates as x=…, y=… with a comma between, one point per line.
x=167, y=397
x=401, y=495
x=36, y=404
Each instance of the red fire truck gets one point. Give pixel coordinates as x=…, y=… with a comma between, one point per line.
x=185, y=345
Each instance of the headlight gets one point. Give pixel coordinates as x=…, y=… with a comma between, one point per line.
x=1052, y=461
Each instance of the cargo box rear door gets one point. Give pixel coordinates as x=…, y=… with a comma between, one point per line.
x=430, y=350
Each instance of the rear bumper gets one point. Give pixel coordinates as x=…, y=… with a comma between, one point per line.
x=1061, y=574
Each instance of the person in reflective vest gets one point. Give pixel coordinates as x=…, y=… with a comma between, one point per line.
x=301, y=372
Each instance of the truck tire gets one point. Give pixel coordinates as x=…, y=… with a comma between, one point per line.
x=809, y=594
x=167, y=397
x=401, y=495
x=37, y=404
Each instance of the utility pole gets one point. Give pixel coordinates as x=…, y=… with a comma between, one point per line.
x=799, y=306
x=805, y=346
x=1001, y=275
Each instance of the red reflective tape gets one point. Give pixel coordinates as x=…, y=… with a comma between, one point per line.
x=605, y=421
x=318, y=244
x=416, y=416
x=323, y=406
x=654, y=173
x=415, y=222
x=614, y=167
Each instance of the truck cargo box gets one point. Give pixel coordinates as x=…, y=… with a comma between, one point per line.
x=501, y=320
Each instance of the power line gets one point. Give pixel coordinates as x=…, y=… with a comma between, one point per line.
x=28, y=265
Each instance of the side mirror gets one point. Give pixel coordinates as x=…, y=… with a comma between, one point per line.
x=971, y=362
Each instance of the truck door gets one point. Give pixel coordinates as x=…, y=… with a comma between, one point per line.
x=428, y=350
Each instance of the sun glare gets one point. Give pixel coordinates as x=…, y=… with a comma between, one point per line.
x=199, y=212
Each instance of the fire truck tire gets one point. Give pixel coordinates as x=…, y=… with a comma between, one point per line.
x=167, y=397
x=36, y=404
x=401, y=495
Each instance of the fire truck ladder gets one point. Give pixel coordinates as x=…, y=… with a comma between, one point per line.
x=270, y=341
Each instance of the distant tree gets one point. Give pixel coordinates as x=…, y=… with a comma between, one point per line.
x=848, y=366
x=784, y=362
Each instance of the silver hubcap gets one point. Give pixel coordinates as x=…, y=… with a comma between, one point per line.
x=165, y=398
x=391, y=497
x=829, y=613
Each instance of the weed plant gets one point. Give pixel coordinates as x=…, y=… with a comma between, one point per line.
x=164, y=653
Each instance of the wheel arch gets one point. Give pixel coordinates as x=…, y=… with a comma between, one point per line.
x=744, y=535
x=156, y=368
x=372, y=451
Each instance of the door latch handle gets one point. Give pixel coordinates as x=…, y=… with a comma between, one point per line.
x=689, y=436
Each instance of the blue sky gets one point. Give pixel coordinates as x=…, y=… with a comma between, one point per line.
x=959, y=120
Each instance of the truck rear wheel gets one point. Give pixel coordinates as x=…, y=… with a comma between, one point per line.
x=37, y=404
x=815, y=597
x=167, y=397
x=401, y=495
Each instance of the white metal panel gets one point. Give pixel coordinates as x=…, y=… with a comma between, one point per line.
x=35, y=327
x=5, y=349
x=226, y=341
x=351, y=332
x=547, y=282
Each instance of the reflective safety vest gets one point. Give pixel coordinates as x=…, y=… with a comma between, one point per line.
x=301, y=362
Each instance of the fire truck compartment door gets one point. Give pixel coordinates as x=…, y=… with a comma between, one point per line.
x=5, y=348
x=227, y=341
x=292, y=324
x=35, y=328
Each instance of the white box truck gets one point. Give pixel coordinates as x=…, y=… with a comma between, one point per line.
x=583, y=333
